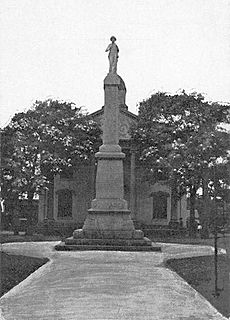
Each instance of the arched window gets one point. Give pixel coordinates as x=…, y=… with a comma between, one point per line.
x=65, y=203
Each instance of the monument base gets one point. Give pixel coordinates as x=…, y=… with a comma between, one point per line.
x=72, y=244
x=112, y=231
x=111, y=224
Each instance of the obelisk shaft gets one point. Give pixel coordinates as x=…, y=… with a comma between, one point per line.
x=111, y=113
x=109, y=216
x=109, y=179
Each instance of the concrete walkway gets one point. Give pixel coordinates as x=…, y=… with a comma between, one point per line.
x=105, y=285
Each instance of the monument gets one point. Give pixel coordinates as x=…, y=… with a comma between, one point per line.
x=108, y=225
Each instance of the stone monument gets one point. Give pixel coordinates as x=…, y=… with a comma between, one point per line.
x=108, y=225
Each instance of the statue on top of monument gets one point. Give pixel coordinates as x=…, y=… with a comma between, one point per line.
x=113, y=55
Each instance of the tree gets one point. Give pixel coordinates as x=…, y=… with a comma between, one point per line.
x=50, y=137
x=178, y=139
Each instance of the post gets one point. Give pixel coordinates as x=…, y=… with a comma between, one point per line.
x=0, y=178
x=216, y=262
x=215, y=236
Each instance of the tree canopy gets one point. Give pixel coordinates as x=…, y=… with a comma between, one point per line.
x=50, y=137
x=180, y=133
x=180, y=139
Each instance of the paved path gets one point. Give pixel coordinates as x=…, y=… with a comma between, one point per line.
x=97, y=285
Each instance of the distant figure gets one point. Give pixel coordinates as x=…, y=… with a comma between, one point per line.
x=2, y=205
x=113, y=55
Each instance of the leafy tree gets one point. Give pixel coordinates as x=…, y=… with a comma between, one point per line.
x=179, y=139
x=50, y=137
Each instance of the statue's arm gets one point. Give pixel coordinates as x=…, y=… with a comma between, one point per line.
x=108, y=48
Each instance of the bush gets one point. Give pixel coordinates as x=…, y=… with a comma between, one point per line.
x=56, y=228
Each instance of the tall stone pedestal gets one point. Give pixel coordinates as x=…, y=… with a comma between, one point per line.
x=108, y=225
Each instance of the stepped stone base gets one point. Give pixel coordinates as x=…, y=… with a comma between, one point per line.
x=72, y=244
x=113, y=231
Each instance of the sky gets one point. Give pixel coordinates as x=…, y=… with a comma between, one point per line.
x=56, y=49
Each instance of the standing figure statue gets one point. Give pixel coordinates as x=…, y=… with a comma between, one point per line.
x=113, y=55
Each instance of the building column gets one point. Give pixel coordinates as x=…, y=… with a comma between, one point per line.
x=92, y=177
x=46, y=204
x=42, y=206
x=133, y=183
x=55, y=197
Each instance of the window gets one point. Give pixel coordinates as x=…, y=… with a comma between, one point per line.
x=160, y=205
x=65, y=203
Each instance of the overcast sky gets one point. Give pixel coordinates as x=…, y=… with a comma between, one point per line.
x=56, y=48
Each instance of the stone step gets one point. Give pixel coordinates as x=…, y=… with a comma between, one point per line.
x=109, y=242
x=65, y=247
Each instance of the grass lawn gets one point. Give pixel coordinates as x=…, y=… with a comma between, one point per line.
x=222, y=240
x=199, y=273
x=14, y=269
x=6, y=238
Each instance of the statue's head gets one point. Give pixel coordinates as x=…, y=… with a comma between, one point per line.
x=113, y=39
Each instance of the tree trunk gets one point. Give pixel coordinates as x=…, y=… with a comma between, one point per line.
x=173, y=184
x=192, y=222
x=205, y=208
x=30, y=213
x=30, y=202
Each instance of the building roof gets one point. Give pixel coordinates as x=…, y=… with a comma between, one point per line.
x=126, y=120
